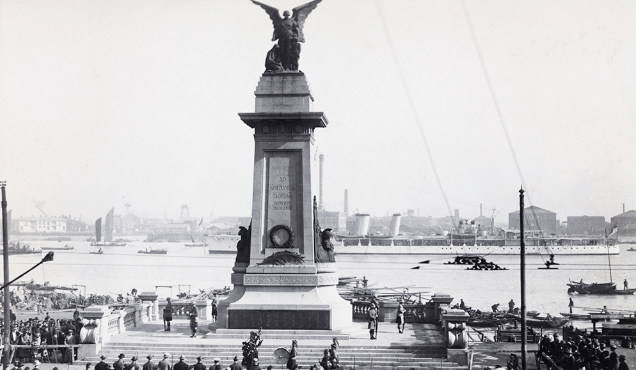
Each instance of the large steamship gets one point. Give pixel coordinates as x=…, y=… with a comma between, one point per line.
x=467, y=239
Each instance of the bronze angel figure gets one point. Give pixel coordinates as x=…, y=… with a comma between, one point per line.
x=288, y=31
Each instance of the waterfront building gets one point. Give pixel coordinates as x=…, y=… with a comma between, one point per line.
x=586, y=225
x=626, y=223
x=41, y=225
x=332, y=220
x=535, y=219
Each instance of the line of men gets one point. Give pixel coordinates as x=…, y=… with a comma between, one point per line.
x=164, y=364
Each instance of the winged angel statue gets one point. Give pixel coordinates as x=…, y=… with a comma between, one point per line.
x=288, y=31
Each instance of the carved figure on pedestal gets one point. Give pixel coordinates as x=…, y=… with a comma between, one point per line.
x=327, y=253
x=288, y=31
x=243, y=245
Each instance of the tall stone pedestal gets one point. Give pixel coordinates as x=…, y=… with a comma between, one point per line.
x=292, y=296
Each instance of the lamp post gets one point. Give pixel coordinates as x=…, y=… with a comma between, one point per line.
x=5, y=252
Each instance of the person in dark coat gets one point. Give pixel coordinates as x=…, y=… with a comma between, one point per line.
x=293, y=352
x=613, y=358
x=194, y=319
x=255, y=365
x=622, y=365
x=164, y=364
x=150, y=365
x=181, y=365
x=324, y=362
x=216, y=366
x=373, y=322
x=167, y=315
x=133, y=364
x=119, y=364
x=101, y=365
x=236, y=365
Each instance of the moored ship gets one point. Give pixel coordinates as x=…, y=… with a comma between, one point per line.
x=467, y=239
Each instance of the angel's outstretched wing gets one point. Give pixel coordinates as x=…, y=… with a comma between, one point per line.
x=273, y=13
x=300, y=13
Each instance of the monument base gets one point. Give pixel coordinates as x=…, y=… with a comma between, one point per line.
x=285, y=301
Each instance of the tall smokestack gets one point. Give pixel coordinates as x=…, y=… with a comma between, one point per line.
x=346, y=208
x=623, y=207
x=394, y=229
x=321, y=205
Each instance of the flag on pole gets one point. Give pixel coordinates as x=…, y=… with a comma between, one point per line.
x=614, y=229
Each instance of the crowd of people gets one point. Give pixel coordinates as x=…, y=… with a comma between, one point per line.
x=579, y=353
x=32, y=336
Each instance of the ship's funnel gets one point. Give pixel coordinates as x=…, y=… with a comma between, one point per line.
x=395, y=224
x=362, y=224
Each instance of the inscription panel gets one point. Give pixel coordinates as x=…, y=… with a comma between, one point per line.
x=284, y=192
x=279, y=319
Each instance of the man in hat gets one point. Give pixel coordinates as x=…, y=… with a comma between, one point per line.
x=150, y=365
x=133, y=364
x=167, y=315
x=164, y=364
x=622, y=365
x=236, y=365
x=216, y=366
x=613, y=358
x=181, y=365
x=400, y=316
x=69, y=340
x=119, y=364
x=194, y=319
x=373, y=322
x=101, y=365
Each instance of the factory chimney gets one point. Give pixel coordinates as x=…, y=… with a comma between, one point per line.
x=623, y=207
x=321, y=205
x=480, y=214
x=346, y=206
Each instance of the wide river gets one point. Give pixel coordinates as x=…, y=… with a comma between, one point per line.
x=120, y=269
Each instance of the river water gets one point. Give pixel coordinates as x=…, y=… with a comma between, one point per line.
x=120, y=269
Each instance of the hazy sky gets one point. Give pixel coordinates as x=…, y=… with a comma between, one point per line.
x=105, y=103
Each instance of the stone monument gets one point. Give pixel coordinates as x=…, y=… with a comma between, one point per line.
x=285, y=283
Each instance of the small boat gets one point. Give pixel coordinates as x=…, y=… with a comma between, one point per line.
x=347, y=280
x=631, y=249
x=576, y=316
x=484, y=322
x=64, y=248
x=154, y=251
x=100, y=251
x=21, y=248
x=199, y=244
x=548, y=322
x=111, y=244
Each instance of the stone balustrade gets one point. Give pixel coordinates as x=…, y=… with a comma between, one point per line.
x=415, y=313
x=181, y=309
x=455, y=335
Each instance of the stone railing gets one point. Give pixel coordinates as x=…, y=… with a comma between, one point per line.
x=418, y=312
x=455, y=335
x=181, y=309
x=103, y=322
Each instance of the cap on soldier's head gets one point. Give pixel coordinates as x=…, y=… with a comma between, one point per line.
x=103, y=357
x=216, y=359
x=134, y=358
x=181, y=357
x=235, y=358
x=150, y=356
x=166, y=355
x=200, y=358
x=121, y=355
